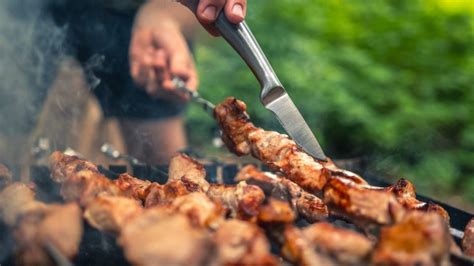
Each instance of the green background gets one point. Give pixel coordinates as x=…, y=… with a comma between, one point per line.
x=390, y=82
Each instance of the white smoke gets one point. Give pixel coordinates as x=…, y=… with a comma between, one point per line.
x=30, y=48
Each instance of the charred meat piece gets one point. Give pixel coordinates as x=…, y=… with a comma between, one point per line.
x=276, y=211
x=164, y=194
x=242, y=201
x=63, y=166
x=16, y=200
x=303, y=203
x=81, y=181
x=110, y=213
x=345, y=246
x=182, y=166
x=418, y=239
x=405, y=194
x=364, y=207
x=132, y=187
x=468, y=239
x=235, y=124
x=5, y=176
x=201, y=211
x=297, y=248
x=241, y=243
x=157, y=238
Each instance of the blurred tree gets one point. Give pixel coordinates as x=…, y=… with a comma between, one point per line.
x=390, y=81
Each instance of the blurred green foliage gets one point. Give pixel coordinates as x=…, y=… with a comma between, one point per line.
x=390, y=81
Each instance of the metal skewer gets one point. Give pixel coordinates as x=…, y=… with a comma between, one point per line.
x=195, y=96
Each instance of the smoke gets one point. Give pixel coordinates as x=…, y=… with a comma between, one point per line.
x=31, y=46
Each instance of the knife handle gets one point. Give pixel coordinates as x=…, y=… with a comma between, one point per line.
x=240, y=37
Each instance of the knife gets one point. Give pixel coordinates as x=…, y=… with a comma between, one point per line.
x=273, y=96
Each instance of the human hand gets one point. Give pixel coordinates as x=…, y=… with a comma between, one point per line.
x=157, y=53
x=207, y=11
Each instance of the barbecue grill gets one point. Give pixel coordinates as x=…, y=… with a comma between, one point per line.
x=99, y=248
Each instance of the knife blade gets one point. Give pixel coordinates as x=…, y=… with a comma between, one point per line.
x=273, y=95
x=295, y=125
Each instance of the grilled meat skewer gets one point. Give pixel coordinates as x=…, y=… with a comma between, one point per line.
x=368, y=205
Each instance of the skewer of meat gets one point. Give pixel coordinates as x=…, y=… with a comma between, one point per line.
x=346, y=193
x=37, y=226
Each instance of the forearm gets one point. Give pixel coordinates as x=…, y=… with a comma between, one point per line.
x=166, y=12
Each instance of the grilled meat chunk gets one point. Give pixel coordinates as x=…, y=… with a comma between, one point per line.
x=364, y=207
x=132, y=187
x=405, y=194
x=157, y=238
x=345, y=246
x=81, y=181
x=63, y=166
x=418, y=239
x=297, y=248
x=109, y=213
x=201, y=211
x=242, y=201
x=468, y=239
x=57, y=225
x=16, y=200
x=192, y=171
x=303, y=203
x=241, y=243
x=276, y=211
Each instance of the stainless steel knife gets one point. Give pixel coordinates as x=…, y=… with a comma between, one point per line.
x=273, y=95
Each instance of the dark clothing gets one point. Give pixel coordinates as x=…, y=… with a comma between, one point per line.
x=99, y=38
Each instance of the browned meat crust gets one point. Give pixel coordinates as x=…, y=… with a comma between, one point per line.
x=303, y=203
x=364, y=207
x=241, y=243
x=157, y=238
x=343, y=245
x=418, y=239
x=201, y=211
x=276, y=211
x=468, y=239
x=109, y=213
x=300, y=250
x=133, y=187
x=242, y=201
x=81, y=181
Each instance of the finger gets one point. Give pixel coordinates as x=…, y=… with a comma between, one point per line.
x=235, y=10
x=152, y=83
x=160, y=63
x=208, y=10
x=193, y=80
